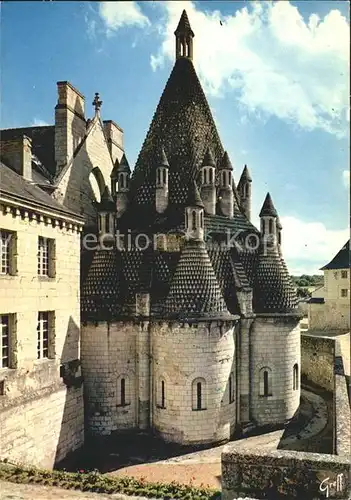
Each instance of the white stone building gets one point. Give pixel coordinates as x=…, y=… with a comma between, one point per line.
x=41, y=392
x=329, y=306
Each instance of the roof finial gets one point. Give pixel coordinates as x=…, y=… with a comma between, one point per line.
x=97, y=103
x=184, y=38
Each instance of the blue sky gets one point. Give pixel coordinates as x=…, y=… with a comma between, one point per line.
x=276, y=76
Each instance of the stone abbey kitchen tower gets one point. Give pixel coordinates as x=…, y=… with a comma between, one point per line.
x=185, y=334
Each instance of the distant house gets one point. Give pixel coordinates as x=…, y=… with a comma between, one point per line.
x=329, y=306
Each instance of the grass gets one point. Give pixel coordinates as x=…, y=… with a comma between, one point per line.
x=96, y=482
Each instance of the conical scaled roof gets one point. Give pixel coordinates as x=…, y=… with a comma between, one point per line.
x=194, y=290
x=184, y=27
x=245, y=176
x=194, y=198
x=184, y=124
x=268, y=208
x=99, y=293
x=273, y=291
x=106, y=202
x=208, y=160
x=225, y=163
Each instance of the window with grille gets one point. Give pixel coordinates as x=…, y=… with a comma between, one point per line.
x=46, y=257
x=45, y=335
x=7, y=340
x=344, y=292
x=344, y=274
x=7, y=252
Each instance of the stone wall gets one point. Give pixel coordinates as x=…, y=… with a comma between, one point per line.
x=108, y=356
x=39, y=417
x=75, y=189
x=342, y=416
x=334, y=314
x=317, y=361
x=43, y=427
x=274, y=345
x=183, y=354
x=282, y=474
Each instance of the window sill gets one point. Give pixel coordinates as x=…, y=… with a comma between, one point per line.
x=123, y=406
x=161, y=407
x=8, y=276
x=42, y=361
x=199, y=409
x=42, y=277
x=268, y=396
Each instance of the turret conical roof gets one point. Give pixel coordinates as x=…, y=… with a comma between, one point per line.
x=194, y=198
x=194, y=290
x=268, y=208
x=208, y=160
x=106, y=202
x=225, y=163
x=124, y=165
x=184, y=27
x=245, y=176
x=160, y=157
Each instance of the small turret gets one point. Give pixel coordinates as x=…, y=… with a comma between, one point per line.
x=269, y=217
x=279, y=228
x=244, y=190
x=106, y=211
x=120, y=179
x=226, y=196
x=162, y=167
x=207, y=179
x=184, y=38
x=194, y=215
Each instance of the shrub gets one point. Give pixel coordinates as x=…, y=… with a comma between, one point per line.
x=95, y=481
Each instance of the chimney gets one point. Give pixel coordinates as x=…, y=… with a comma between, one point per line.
x=70, y=124
x=114, y=136
x=17, y=153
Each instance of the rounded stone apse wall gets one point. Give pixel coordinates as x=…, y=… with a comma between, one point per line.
x=193, y=382
x=275, y=369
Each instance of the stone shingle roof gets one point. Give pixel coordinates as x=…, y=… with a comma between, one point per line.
x=194, y=290
x=184, y=27
x=184, y=123
x=194, y=198
x=268, y=207
x=341, y=259
x=208, y=160
x=273, y=291
x=100, y=291
x=225, y=163
x=245, y=176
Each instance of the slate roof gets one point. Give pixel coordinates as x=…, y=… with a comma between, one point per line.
x=43, y=145
x=341, y=259
x=184, y=27
x=99, y=294
x=194, y=290
x=194, y=198
x=268, y=207
x=19, y=188
x=273, y=291
x=245, y=176
x=202, y=280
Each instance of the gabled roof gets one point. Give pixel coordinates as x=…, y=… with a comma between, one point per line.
x=341, y=259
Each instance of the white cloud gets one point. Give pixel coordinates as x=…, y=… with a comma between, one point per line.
x=276, y=62
x=307, y=246
x=37, y=122
x=119, y=14
x=346, y=178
